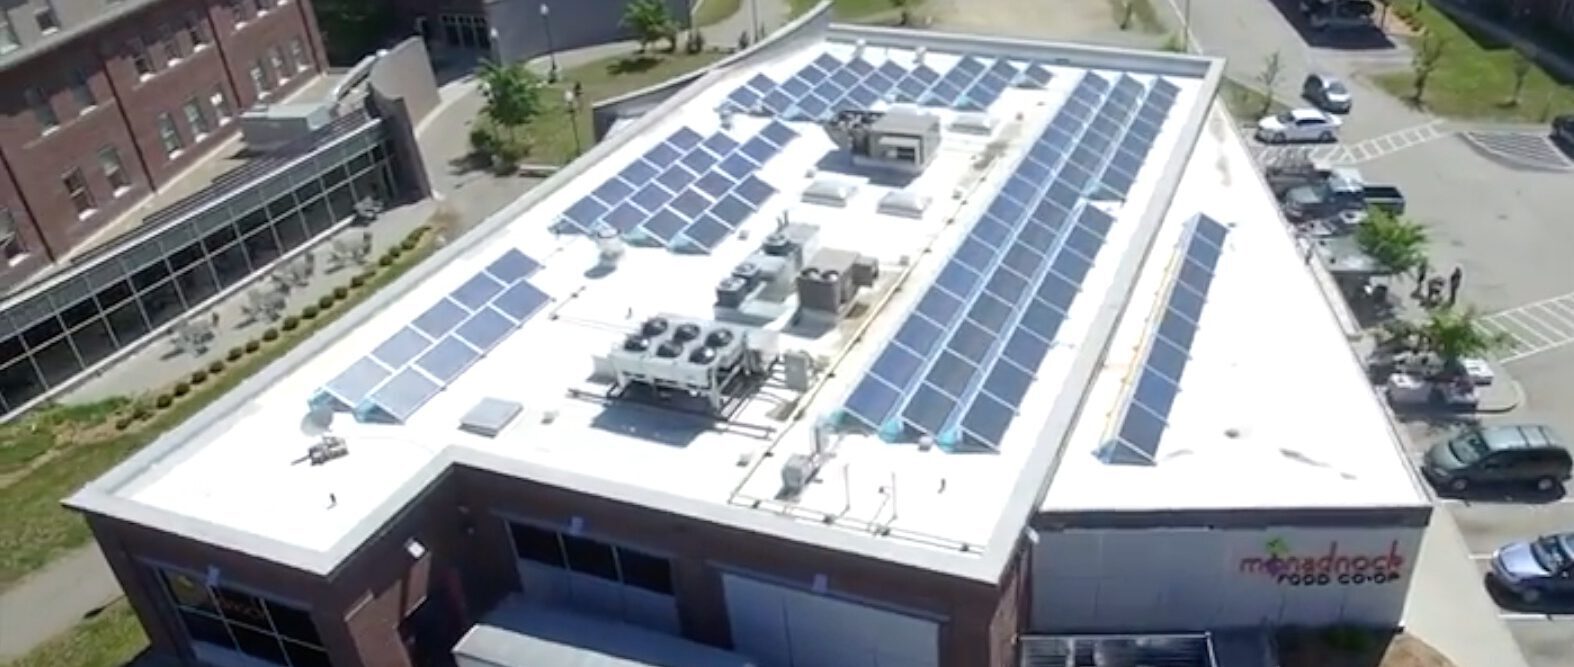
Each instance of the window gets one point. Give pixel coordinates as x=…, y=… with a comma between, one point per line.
x=259, y=79
x=48, y=22
x=237, y=622
x=239, y=10
x=303, y=62
x=277, y=60
x=169, y=135
x=221, y=105
x=11, y=247
x=43, y=111
x=630, y=567
x=82, y=90
x=114, y=170
x=8, y=41
x=196, y=119
x=536, y=544
x=262, y=6
x=139, y=57
x=172, y=52
x=192, y=25
x=645, y=571
x=81, y=197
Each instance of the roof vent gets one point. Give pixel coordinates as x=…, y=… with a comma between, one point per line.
x=905, y=204
x=829, y=192
x=777, y=245
x=636, y=343
x=918, y=55
x=489, y=417
x=670, y=350
x=719, y=338
x=654, y=327
x=686, y=332
x=329, y=448
x=703, y=355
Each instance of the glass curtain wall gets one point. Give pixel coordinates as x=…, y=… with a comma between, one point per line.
x=77, y=322
x=223, y=620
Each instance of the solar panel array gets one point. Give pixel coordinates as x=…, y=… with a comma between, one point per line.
x=687, y=192
x=959, y=366
x=1169, y=348
x=829, y=85
x=422, y=358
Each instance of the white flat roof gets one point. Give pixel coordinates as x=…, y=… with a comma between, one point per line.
x=236, y=475
x=1273, y=409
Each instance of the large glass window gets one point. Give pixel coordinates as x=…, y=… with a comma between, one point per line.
x=196, y=119
x=19, y=382
x=630, y=567
x=236, y=621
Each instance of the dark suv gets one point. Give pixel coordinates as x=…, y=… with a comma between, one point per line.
x=1507, y=454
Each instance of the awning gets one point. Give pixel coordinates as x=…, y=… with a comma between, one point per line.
x=520, y=634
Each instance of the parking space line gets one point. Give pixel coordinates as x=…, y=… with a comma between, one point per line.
x=1554, y=315
x=1519, y=331
x=1516, y=318
x=1541, y=326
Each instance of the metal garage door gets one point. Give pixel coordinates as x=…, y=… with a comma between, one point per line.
x=786, y=627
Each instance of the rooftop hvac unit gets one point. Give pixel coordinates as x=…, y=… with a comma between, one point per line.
x=489, y=417
x=329, y=448
x=609, y=246
x=827, y=286
x=830, y=192
x=973, y=123
x=732, y=291
x=700, y=358
x=905, y=204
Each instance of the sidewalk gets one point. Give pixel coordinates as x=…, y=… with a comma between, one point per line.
x=46, y=605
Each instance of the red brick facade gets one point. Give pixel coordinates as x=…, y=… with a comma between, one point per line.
x=126, y=110
x=359, y=610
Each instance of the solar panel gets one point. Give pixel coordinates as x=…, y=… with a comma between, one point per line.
x=440, y=319
x=676, y=178
x=919, y=335
x=485, y=329
x=951, y=374
x=737, y=166
x=777, y=101
x=699, y=161
x=827, y=62
x=892, y=70
x=690, y=204
x=584, y=213
x=665, y=225
x=909, y=89
x=352, y=386
x=402, y=395
x=929, y=408
x=845, y=78
x=759, y=150
x=662, y=153
x=613, y=191
x=447, y=359
x=520, y=301
x=795, y=87
x=971, y=341
x=731, y=210
x=625, y=217
x=969, y=65
x=714, y=184
x=860, y=67
x=706, y=232
x=988, y=420
x=1009, y=383
x=684, y=139
x=939, y=306
x=779, y=134
x=1025, y=349
x=760, y=83
x=957, y=279
x=897, y=366
x=743, y=98
x=720, y=144
x=861, y=97
x=872, y=401
x=513, y=265
x=1036, y=76
x=755, y=191
x=812, y=74
x=476, y=291
x=652, y=197
x=638, y=173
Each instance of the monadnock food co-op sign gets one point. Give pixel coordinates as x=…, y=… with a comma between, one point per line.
x=1333, y=566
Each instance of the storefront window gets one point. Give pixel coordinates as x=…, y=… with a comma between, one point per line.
x=237, y=622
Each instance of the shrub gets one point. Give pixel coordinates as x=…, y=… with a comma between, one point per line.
x=124, y=423
x=216, y=367
x=409, y=244
x=357, y=281
x=395, y=251
x=199, y=376
x=235, y=354
x=141, y=412
x=325, y=302
x=270, y=334
x=310, y=312
x=253, y=345
x=386, y=260
x=290, y=323
x=181, y=389
x=341, y=292
x=419, y=232
x=165, y=400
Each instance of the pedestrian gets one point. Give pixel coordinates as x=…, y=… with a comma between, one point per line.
x=1454, y=279
x=1420, y=276
x=1434, y=290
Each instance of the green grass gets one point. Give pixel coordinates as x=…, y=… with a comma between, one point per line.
x=711, y=12
x=1245, y=102
x=552, y=134
x=848, y=10
x=35, y=529
x=1475, y=78
x=1143, y=17
x=110, y=639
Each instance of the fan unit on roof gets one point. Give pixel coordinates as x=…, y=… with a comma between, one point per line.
x=699, y=358
x=654, y=327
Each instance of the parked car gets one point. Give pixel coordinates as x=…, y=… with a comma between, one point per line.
x=1536, y=569
x=1563, y=132
x=1327, y=92
x=1334, y=192
x=1502, y=454
x=1341, y=15
x=1299, y=125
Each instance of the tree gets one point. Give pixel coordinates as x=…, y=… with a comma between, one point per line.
x=1519, y=65
x=1395, y=244
x=1454, y=335
x=650, y=22
x=1272, y=68
x=906, y=15
x=1426, y=60
x=513, y=95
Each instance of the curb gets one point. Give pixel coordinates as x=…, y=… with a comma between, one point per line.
x=1516, y=393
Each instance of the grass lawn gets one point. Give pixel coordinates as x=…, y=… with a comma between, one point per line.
x=1143, y=17
x=1475, y=78
x=551, y=133
x=711, y=12
x=850, y=9
x=1245, y=102
x=110, y=639
x=34, y=528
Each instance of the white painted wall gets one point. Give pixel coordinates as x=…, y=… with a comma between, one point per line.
x=1155, y=580
x=786, y=627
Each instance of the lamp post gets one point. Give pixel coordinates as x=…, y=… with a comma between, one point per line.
x=571, y=100
x=546, y=25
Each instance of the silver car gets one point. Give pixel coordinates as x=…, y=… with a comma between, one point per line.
x=1536, y=569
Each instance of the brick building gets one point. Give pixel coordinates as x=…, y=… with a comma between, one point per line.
x=103, y=102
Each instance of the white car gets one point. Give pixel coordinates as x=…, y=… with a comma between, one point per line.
x=1299, y=125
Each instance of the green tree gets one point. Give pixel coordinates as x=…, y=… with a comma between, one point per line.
x=1457, y=334
x=1396, y=244
x=353, y=29
x=1427, y=58
x=906, y=10
x=1519, y=66
x=513, y=95
x=651, y=23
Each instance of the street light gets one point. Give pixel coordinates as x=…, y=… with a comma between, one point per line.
x=571, y=100
x=546, y=24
